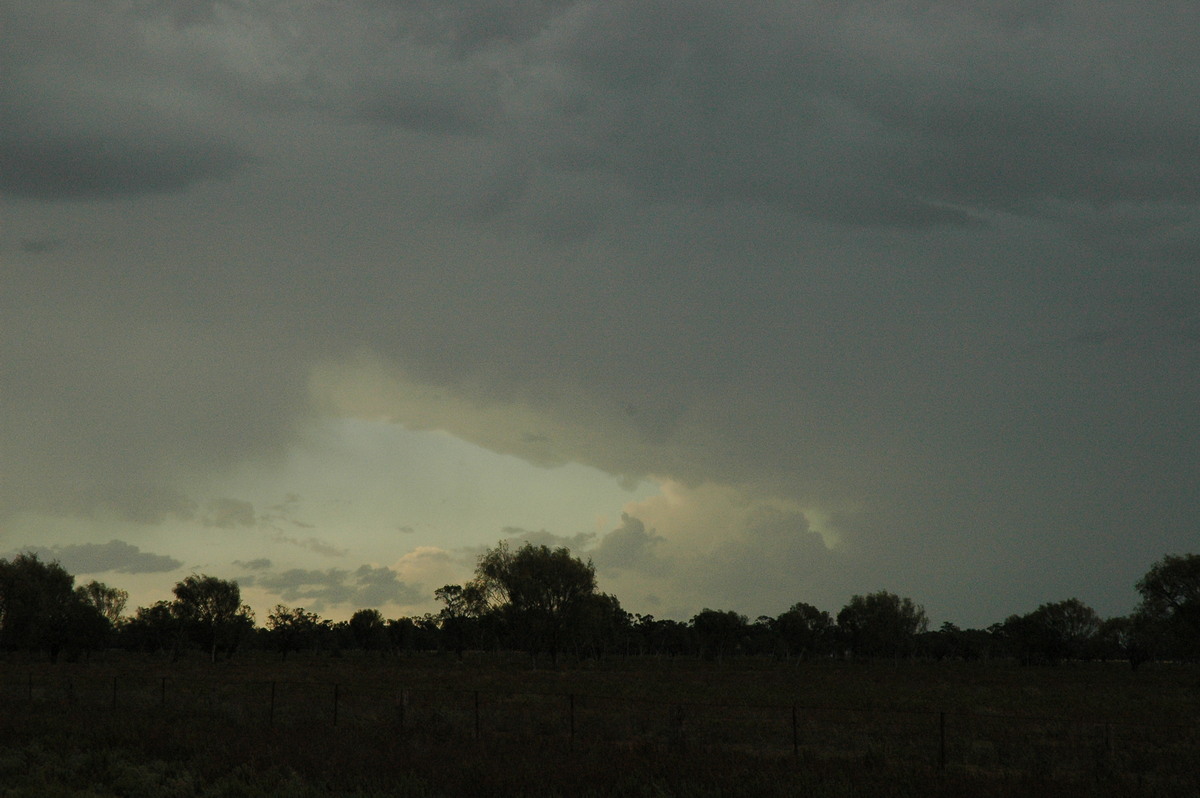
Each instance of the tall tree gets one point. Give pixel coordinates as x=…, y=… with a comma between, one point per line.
x=1170, y=604
x=37, y=604
x=212, y=612
x=881, y=625
x=719, y=632
x=292, y=628
x=536, y=591
x=154, y=628
x=108, y=601
x=369, y=630
x=805, y=630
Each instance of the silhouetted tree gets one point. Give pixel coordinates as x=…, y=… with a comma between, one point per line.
x=459, y=616
x=402, y=634
x=108, y=601
x=718, y=632
x=1030, y=642
x=881, y=625
x=1170, y=606
x=951, y=642
x=39, y=608
x=1124, y=637
x=211, y=613
x=292, y=628
x=153, y=628
x=1051, y=633
x=1075, y=624
x=369, y=630
x=662, y=637
x=600, y=626
x=538, y=593
x=805, y=631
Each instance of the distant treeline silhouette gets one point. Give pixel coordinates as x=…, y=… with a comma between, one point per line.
x=544, y=602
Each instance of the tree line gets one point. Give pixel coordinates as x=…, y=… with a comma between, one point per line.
x=544, y=602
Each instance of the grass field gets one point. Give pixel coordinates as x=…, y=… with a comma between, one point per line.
x=425, y=726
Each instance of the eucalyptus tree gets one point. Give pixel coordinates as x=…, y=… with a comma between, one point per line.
x=211, y=613
x=1170, y=606
x=538, y=594
x=881, y=625
x=292, y=628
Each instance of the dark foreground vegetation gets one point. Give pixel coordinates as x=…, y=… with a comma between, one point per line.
x=489, y=724
x=545, y=603
x=529, y=681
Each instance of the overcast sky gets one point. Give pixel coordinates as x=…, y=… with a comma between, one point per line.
x=751, y=303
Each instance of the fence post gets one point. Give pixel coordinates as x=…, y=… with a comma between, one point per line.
x=942, y=741
x=31, y=686
x=114, y=694
x=795, y=733
x=403, y=707
x=476, y=714
x=677, y=722
x=271, y=711
x=571, y=721
x=336, y=694
x=162, y=692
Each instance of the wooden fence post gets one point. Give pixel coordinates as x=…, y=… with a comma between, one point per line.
x=795, y=733
x=336, y=694
x=476, y=714
x=571, y=721
x=271, y=711
x=114, y=694
x=162, y=692
x=942, y=741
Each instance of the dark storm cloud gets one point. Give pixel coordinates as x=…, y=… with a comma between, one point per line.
x=116, y=555
x=37, y=245
x=70, y=130
x=927, y=266
x=86, y=168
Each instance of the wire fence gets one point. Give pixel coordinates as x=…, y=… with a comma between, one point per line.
x=978, y=741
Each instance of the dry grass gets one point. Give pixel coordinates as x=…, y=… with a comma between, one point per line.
x=434, y=726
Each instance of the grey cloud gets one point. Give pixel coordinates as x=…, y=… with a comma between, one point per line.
x=368, y=586
x=881, y=115
x=631, y=547
x=37, y=245
x=259, y=564
x=89, y=168
x=419, y=105
x=73, y=128
x=226, y=513
x=779, y=554
x=577, y=543
x=927, y=266
x=116, y=555
x=141, y=504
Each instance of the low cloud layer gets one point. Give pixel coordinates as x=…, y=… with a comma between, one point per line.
x=115, y=556
x=365, y=587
